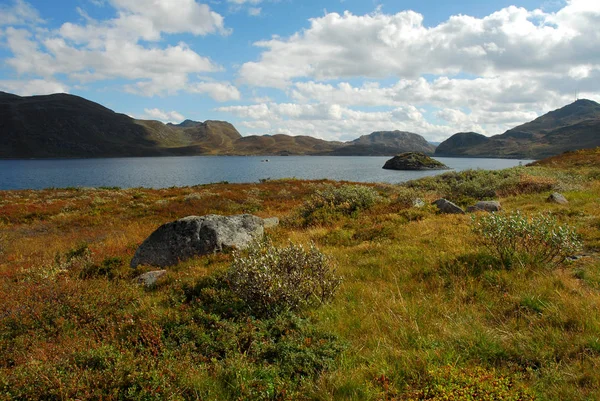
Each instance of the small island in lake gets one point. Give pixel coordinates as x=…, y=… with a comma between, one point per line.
x=414, y=161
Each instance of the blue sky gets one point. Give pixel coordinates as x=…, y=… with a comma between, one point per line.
x=333, y=69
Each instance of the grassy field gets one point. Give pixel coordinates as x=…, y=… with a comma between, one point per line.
x=426, y=309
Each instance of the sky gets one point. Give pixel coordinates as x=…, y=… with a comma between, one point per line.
x=332, y=69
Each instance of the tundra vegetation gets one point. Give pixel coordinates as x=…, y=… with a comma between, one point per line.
x=381, y=300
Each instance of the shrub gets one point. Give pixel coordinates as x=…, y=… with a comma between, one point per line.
x=466, y=186
x=538, y=240
x=80, y=252
x=105, y=269
x=332, y=202
x=406, y=196
x=450, y=383
x=271, y=280
x=76, y=259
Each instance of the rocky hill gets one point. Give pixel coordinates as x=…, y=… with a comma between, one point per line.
x=460, y=144
x=413, y=161
x=385, y=143
x=283, y=145
x=62, y=125
x=575, y=126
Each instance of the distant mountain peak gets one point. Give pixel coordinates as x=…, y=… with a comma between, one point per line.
x=188, y=123
x=574, y=126
x=584, y=102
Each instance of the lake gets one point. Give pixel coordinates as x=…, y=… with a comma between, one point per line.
x=164, y=172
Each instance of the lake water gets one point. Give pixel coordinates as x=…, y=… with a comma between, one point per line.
x=163, y=172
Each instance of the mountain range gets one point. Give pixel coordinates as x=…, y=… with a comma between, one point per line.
x=66, y=126
x=575, y=126
x=62, y=126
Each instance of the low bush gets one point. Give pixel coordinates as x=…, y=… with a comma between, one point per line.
x=450, y=383
x=271, y=280
x=466, y=186
x=539, y=240
x=406, y=196
x=333, y=202
x=106, y=269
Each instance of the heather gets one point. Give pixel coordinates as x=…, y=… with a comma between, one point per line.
x=386, y=298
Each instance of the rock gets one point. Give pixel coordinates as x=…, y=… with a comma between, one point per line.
x=271, y=222
x=150, y=278
x=485, y=206
x=448, y=207
x=418, y=203
x=192, y=236
x=557, y=198
x=413, y=161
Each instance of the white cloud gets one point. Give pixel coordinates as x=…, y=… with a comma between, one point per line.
x=380, y=45
x=33, y=87
x=257, y=125
x=219, y=91
x=114, y=48
x=334, y=122
x=485, y=97
x=254, y=11
x=241, y=2
x=486, y=74
x=116, y=59
x=164, y=116
x=19, y=13
x=171, y=16
x=250, y=6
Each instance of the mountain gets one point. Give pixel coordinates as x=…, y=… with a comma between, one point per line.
x=385, y=143
x=283, y=145
x=575, y=126
x=63, y=125
x=460, y=143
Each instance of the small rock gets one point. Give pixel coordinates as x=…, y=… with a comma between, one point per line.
x=485, y=206
x=150, y=278
x=448, y=207
x=191, y=236
x=271, y=222
x=557, y=198
x=418, y=203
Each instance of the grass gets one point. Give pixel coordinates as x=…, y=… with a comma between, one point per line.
x=425, y=309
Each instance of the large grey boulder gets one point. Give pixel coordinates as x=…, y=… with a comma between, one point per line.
x=447, y=207
x=485, y=206
x=192, y=236
x=557, y=198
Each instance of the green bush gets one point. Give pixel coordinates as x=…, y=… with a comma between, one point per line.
x=407, y=196
x=333, y=202
x=467, y=186
x=271, y=280
x=538, y=240
x=106, y=269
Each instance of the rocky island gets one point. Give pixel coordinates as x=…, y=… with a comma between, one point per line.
x=414, y=161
